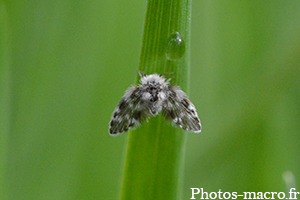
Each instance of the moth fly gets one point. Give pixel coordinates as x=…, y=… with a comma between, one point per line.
x=155, y=94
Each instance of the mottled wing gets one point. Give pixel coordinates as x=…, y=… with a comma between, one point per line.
x=180, y=110
x=128, y=112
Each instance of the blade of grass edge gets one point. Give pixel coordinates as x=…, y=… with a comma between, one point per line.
x=155, y=151
x=5, y=97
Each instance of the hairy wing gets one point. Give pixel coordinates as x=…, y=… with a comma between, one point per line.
x=128, y=112
x=180, y=110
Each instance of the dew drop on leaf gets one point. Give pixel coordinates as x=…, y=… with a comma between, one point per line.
x=175, y=48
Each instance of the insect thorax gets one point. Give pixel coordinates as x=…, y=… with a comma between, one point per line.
x=153, y=87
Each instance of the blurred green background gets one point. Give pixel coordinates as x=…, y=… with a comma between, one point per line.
x=65, y=65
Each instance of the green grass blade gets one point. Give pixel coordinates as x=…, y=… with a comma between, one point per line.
x=5, y=98
x=155, y=151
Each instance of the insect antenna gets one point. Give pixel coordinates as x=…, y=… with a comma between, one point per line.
x=166, y=73
x=142, y=74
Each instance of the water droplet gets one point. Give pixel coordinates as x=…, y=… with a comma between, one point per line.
x=175, y=48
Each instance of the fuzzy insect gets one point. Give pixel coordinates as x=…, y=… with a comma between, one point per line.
x=154, y=95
